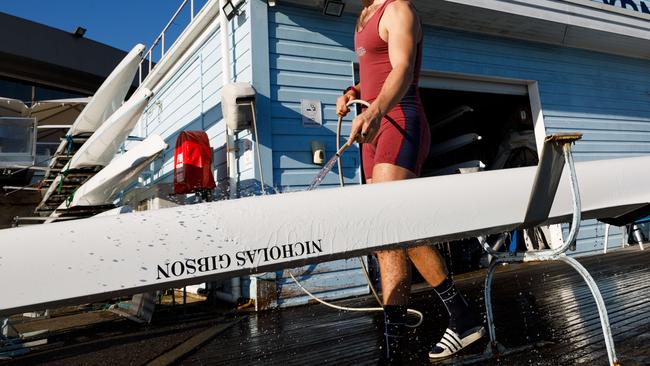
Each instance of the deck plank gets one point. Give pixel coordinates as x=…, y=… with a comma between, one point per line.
x=544, y=302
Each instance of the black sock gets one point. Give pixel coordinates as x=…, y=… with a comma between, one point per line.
x=394, y=327
x=460, y=319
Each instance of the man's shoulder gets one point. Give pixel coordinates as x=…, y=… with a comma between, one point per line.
x=400, y=7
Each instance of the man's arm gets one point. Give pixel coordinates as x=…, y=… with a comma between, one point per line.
x=403, y=29
x=342, y=101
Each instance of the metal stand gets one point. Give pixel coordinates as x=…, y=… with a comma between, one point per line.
x=12, y=343
x=559, y=254
x=623, y=241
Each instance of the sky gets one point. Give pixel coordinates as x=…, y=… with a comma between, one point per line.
x=119, y=23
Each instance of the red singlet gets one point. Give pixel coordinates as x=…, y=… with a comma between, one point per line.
x=404, y=137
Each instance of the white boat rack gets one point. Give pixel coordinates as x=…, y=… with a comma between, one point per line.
x=451, y=116
x=454, y=144
x=101, y=107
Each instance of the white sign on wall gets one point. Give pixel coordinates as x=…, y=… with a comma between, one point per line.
x=642, y=6
x=312, y=114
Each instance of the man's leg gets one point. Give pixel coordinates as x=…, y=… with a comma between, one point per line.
x=430, y=264
x=464, y=328
x=396, y=284
x=394, y=269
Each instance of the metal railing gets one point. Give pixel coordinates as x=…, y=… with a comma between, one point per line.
x=162, y=40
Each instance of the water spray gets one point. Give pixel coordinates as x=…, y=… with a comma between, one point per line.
x=314, y=184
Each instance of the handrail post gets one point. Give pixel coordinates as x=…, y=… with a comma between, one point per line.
x=162, y=37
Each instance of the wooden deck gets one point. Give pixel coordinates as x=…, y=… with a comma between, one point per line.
x=544, y=304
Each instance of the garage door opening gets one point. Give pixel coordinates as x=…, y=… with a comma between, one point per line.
x=472, y=131
x=477, y=126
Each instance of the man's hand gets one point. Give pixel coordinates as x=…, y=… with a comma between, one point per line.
x=365, y=127
x=342, y=104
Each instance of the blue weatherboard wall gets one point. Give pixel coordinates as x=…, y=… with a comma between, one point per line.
x=604, y=96
x=190, y=100
x=310, y=58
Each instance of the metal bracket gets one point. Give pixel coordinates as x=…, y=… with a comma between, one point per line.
x=544, y=188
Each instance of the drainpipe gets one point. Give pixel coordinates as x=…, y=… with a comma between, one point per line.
x=231, y=152
x=226, y=78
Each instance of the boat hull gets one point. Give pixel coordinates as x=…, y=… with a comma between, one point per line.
x=99, y=258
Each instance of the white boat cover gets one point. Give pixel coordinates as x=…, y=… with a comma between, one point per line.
x=102, y=146
x=110, y=95
x=58, y=111
x=102, y=188
x=107, y=99
x=103, y=257
x=46, y=112
x=12, y=108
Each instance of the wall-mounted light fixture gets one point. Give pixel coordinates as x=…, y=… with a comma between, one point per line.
x=79, y=32
x=334, y=8
x=271, y=2
x=231, y=10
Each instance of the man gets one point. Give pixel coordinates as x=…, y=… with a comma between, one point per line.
x=395, y=135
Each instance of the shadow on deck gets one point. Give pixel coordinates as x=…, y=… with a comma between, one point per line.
x=545, y=303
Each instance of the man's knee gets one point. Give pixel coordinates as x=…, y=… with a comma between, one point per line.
x=417, y=251
x=391, y=254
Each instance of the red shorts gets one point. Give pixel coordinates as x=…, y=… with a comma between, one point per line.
x=403, y=140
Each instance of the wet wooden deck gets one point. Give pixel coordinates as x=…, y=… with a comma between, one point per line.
x=539, y=303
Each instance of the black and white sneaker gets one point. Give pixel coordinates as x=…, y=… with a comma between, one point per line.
x=452, y=342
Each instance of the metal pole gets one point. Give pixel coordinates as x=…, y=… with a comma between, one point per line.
x=257, y=148
x=600, y=304
x=191, y=9
x=162, y=52
x=606, y=239
x=226, y=77
x=577, y=214
x=575, y=195
x=488, y=301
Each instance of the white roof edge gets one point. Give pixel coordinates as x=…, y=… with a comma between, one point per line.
x=610, y=8
x=583, y=13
